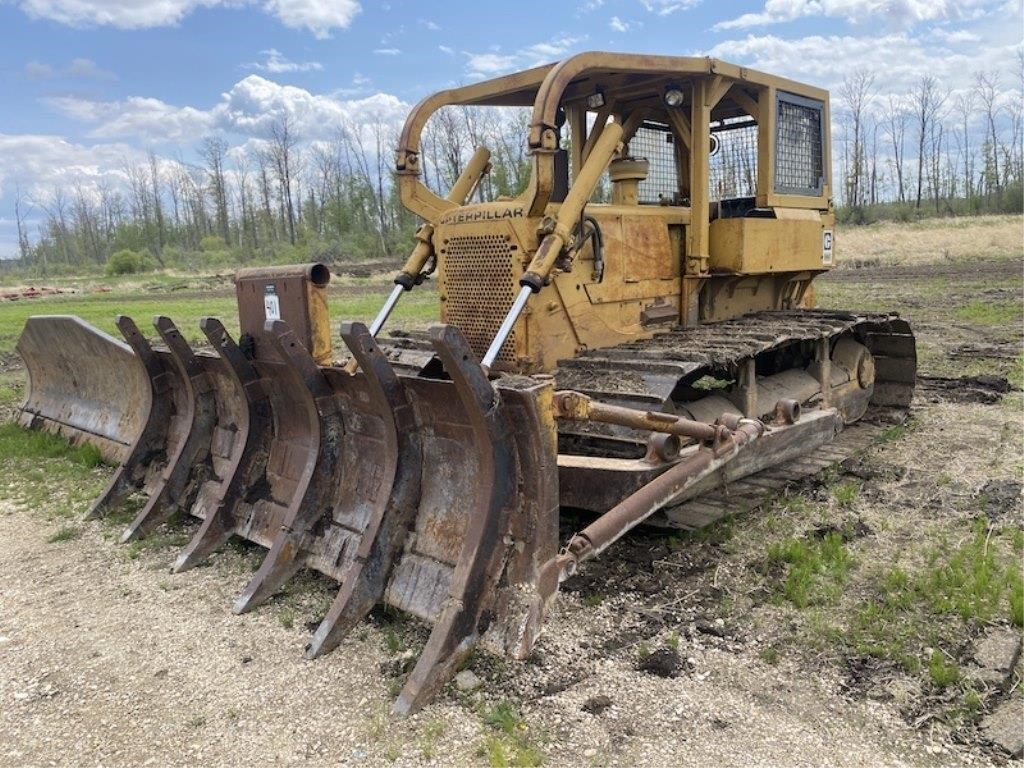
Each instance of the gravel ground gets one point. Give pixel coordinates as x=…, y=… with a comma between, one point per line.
x=107, y=660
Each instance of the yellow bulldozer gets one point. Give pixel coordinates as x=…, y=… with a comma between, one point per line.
x=631, y=335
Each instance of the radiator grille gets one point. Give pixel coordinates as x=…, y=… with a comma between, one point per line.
x=480, y=288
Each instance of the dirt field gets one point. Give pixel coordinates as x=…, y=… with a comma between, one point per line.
x=839, y=625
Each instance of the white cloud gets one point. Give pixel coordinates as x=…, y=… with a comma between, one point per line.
x=446, y=49
x=955, y=36
x=250, y=107
x=433, y=26
x=618, y=25
x=495, y=63
x=86, y=69
x=490, y=63
x=254, y=103
x=276, y=63
x=40, y=162
x=320, y=17
x=666, y=7
x=387, y=51
x=825, y=60
x=145, y=119
x=899, y=12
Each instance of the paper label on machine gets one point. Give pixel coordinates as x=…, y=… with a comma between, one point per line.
x=826, y=247
x=271, y=303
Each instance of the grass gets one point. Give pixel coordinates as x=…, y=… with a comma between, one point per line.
x=432, y=731
x=845, y=493
x=65, y=533
x=43, y=472
x=990, y=312
x=418, y=307
x=942, y=672
x=959, y=590
x=816, y=569
x=18, y=443
x=511, y=743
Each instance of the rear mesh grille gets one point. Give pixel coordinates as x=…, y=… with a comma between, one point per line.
x=480, y=289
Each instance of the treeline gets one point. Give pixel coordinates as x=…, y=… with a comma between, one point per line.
x=931, y=151
x=280, y=200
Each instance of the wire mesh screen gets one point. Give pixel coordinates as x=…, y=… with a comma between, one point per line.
x=733, y=162
x=654, y=142
x=799, y=168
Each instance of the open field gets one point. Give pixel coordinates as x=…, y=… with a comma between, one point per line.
x=840, y=625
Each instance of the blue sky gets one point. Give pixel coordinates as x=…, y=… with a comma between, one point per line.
x=87, y=84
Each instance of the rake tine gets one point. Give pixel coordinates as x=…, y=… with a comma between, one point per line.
x=324, y=423
x=130, y=475
x=189, y=459
x=474, y=582
x=385, y=532
x=218, y=524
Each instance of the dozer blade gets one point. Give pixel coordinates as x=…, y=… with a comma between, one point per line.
x=438, y=496
x=83, y=384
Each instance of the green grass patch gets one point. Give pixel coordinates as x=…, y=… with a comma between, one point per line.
x=845, y=493
x=816, y=569
x=942, y=672
x=893, y=433
x=65, y=533
x=959, y=590
x=1016, y=374
x=46, y=474
x=168, y=536
x=416, y=308
x=511, y=744
x=19, y=443
x=432, y=731
x=990, y=312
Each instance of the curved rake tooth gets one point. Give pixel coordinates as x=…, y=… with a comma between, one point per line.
x=218, y=525
x=324, y=423
x=191, y=453
x=474, y=582
x=386, y=529
x=131, y=474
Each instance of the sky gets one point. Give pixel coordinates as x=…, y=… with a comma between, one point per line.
x=86, y=85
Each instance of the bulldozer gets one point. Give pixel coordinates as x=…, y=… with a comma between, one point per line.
x=631, y=335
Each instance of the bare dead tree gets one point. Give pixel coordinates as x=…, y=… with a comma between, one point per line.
x=926, y=102
x=855, y=91
x=986, y=86
x=19, y=219
x=282, y=150
x=214, y=151
x=895, y=126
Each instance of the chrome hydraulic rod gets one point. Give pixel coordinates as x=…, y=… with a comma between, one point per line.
x=557, y=233
x=506, y=327
x=385, y=311
x=412, y=273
